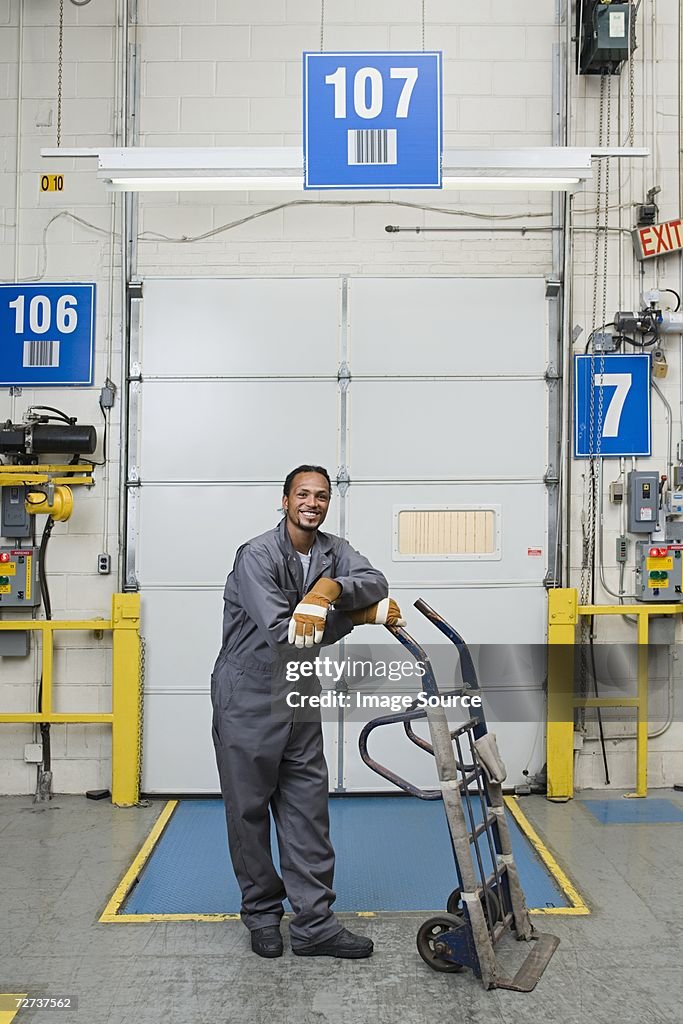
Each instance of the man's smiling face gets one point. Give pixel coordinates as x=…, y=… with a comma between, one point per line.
x=308, y=501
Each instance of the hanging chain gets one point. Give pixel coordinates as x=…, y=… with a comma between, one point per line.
x=423, y=25
x=598, y=314
x=141, y=717
x=322, y=25
x=632, y=102
x=630, y=138
x=588, y=491
x=60, y=69
x=604, y=233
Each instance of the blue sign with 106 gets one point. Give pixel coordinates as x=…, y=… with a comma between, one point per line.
x=622, y=415
x=47, y=334
x=372, y=120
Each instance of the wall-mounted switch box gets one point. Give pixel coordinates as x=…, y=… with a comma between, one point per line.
x=643, y=501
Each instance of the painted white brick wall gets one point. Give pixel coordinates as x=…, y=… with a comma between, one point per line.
x=228, y=73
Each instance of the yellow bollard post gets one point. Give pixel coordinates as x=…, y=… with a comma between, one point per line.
x=642, y=709
x=126, y=700
x=562, y=620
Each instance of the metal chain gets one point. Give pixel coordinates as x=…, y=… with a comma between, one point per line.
x=605, y=233
x=590, y=485
x=423, y=25
x=631, y=92
x=322, y=25
x=60, y=69
x=141, y=717
x=588, y=497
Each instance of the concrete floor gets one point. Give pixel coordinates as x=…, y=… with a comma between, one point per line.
x=621, y=965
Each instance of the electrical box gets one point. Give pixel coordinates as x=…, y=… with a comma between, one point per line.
x=659, y=572
x=603, y=341
x=616, y=492
x=622, y=550
x=604, y=31
x=19, y=586
x=643, y=501
x=14, y=519
x=674, y=503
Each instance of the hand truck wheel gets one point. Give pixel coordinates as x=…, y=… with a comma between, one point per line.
x=494, y=903
x=453, y=903
x=428, y=942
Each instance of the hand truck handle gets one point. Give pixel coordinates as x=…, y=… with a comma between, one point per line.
x=469, y=675
x=386, y=773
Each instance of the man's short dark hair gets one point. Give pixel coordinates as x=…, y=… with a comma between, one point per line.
x=289, y=479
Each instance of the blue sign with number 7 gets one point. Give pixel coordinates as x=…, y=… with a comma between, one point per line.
x=372, y=120
x=621, y=415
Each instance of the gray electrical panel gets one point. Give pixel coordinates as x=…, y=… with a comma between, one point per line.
x=659, y=572
x=643, y=501
x=19, y=587
x=14, y=519
x=605, y=36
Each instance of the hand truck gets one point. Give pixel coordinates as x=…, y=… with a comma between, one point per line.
x=487, y=904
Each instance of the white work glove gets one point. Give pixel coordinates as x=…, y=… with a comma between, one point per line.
x=307, y=624
x=384, y=613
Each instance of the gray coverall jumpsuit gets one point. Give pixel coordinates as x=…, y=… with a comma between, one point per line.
x=271, y=755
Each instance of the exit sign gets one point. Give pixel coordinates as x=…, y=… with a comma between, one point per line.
x=658, y=239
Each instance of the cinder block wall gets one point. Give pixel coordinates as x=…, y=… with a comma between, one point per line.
x=214, y=72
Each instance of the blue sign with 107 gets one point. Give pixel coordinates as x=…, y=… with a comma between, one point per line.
x=372, y=120
x=47, y=334
x=621, y=415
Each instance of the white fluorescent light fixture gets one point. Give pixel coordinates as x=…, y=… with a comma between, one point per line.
x=152, y=169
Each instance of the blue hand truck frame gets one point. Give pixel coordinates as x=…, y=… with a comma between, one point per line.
x=486, y=905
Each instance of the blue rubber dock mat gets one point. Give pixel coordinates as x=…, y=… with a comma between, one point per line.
x=651, y=811
x=393, y=854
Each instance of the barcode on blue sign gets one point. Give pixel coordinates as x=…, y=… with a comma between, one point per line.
x=41, y=353
x=372, y=146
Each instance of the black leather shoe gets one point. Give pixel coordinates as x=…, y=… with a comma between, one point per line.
x=267, y=941
x=344, y=944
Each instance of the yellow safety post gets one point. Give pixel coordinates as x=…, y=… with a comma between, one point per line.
x=126, y=700
x=562, y=620
x=641, y=711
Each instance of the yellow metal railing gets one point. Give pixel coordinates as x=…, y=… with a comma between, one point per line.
x=125, y=715
x=563, y=616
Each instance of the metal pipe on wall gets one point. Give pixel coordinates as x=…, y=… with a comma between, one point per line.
x=129, y=207
x=123, y=297
x=17, y=183
x=566, y=338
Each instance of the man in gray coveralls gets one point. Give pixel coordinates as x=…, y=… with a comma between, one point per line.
x=278, y=598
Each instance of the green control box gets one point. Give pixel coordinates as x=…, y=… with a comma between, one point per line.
x=19, y=587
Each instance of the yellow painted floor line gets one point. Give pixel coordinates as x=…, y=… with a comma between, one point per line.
x=578, y=906
x=8, y=1005
x=110, y=912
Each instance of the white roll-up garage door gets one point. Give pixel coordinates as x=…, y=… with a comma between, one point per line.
x=429, y=395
